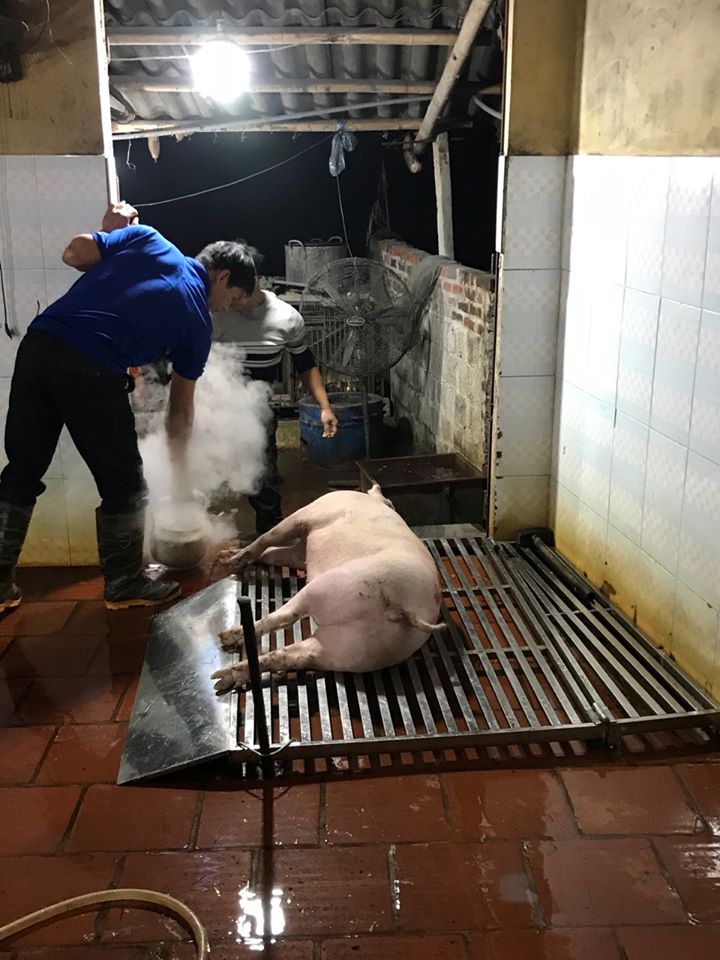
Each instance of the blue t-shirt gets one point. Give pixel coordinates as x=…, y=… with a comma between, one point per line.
x=142, y=301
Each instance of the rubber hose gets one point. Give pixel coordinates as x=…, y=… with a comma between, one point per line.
x=145, y=899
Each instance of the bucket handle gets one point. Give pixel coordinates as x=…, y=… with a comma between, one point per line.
x=335, y=239
x=295, y=243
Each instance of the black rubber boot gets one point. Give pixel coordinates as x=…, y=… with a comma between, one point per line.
x=120, y=545
x=14, y=523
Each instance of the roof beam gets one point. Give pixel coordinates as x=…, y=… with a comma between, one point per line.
x=474, y=16
x=144, y=83
x=272, y=36
x=140, y=129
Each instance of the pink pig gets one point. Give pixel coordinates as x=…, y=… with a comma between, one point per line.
x=372, y=588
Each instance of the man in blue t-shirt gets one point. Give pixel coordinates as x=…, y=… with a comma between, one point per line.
x=139, y=299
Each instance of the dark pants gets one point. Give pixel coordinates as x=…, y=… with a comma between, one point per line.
x=267, y=503
x=55, y=384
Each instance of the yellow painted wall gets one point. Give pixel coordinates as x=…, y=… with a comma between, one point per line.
x=61, y=104
x=542, y=40
x=650, y=78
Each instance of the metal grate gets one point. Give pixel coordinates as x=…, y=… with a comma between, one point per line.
x=523, y=661
x=532, y=656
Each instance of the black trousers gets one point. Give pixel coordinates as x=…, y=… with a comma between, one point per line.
x=267, y=503
x=54, y=384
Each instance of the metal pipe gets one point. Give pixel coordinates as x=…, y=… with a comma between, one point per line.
x=166, y=127
x=130, y=83
x=247, y=620
x=271, y=36
x=456, y=61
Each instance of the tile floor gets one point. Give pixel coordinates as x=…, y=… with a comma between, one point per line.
x=602, y=858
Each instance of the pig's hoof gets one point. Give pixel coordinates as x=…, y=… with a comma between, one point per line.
x=231, y=638
x=228, y=678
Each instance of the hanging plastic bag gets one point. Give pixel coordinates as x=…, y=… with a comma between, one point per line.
x=342, y=141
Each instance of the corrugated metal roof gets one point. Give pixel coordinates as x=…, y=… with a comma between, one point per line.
x=296, y=62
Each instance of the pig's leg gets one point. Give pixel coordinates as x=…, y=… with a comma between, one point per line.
x=297, y=656
x=290, y=529
x=284, y=556
x=286, y=616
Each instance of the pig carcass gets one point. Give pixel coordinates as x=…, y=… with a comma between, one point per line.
x=372, y=588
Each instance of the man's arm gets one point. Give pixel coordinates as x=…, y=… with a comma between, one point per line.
x=178, y=425
x=81, y=253
x=313, y=383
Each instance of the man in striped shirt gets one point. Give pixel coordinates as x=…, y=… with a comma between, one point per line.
x=264, y=325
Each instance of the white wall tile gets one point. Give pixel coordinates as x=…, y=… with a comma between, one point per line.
x=643, y=588
x=47, y=541
x=695, y=628
x=580, y=534
x=686, y=229
x=599, y=226
x=574, y=322
x=699, y=566
x=627, y=484
x=705, y=424
x=520, y=502
x=711, y=289
x=637, y=354
x=26, y=296
x=84, y=179
x=20, y=244
x=662, y=508
x=533, y=204
x=646, y=234
x=604, y=341
x=74, y=467
x=81, y=499
x=675, y=359
x=525, y=415
x=528, y=316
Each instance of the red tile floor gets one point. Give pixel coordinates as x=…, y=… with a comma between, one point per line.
x=602, y=858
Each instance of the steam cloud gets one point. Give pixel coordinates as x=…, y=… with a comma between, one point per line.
x=228, y=445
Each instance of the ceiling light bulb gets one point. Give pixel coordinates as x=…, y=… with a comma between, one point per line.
x=221, y=71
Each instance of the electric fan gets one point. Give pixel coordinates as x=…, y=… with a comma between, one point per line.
x=360, y=321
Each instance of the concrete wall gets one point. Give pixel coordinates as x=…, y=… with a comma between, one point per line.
x=650, y=78
x=443, y=385
x=61, y=106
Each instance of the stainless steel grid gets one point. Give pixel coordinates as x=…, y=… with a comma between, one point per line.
x=523, y=661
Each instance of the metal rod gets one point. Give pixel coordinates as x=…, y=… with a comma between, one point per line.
x=167, y=127
x=247, y=620
x=271, y=36
x=455, y=62
x=366, y=417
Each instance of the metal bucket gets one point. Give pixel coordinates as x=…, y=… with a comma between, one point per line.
x=303, y=260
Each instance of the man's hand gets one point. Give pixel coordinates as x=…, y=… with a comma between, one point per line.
x=329, y=422
x=119, y=215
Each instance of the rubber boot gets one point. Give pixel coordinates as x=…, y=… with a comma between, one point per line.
x=120, y=545
x=14, y=523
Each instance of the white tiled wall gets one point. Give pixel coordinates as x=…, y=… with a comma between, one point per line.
x=44, y=201
x=635, y=493
x=530, y=243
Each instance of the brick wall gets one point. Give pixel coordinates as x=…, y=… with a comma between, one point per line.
x=443, y=385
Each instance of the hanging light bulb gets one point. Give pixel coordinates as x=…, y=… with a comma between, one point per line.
x=221, y=71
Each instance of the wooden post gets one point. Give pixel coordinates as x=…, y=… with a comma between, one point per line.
x=443, y=196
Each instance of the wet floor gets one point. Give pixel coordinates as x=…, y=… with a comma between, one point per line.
x=603, y=859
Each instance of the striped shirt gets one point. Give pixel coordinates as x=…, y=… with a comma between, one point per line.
x=263, y=333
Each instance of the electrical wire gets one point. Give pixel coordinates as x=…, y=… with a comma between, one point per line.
x=342, y=214
x=234, y=183
x=8, y=329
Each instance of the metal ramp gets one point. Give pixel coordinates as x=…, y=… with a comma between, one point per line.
x=532, y=654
